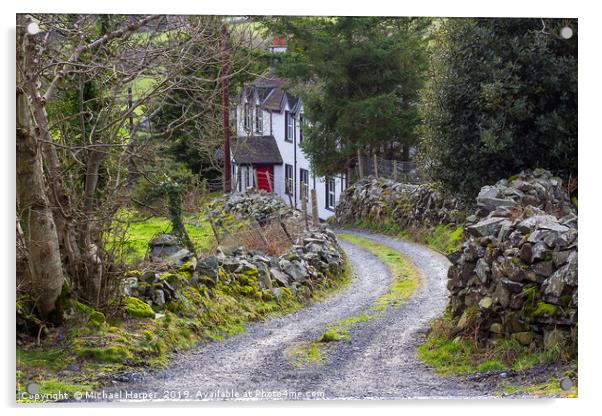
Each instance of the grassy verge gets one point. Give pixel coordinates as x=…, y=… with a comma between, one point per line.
x=451, y=353
x=442, y=238
x=92, y=348
x=550, y=388
x=405, y=281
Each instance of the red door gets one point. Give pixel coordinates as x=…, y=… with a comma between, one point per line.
x=265, y=178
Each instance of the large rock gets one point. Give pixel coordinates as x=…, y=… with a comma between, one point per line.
x=164, y=245
x=487, y=227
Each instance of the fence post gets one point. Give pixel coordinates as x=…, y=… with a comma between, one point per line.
x=359, y=163
x=214, y=228
x=285, y=230
x=304, y=206
x=256, y=186
x=314, y=207
x=375, y=166
x=259, y=231
x=395, y=170
x=288, y=193
x=269, y=179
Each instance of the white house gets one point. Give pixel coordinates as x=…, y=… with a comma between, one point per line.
x=266, y=147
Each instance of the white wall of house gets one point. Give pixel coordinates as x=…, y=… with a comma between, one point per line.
x=274, y=124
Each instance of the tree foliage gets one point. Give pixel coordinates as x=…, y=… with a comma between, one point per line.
x=359, y=78
x=501, y=97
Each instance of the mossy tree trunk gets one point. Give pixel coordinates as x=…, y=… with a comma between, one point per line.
x=37, y=221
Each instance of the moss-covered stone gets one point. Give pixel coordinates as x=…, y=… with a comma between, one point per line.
x=110, y=354
x=545, y=310
x=138, y=308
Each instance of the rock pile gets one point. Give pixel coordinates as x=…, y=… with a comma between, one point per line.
x=516, y=275
x=259, y=205
x=298, y=272
x=384, y=201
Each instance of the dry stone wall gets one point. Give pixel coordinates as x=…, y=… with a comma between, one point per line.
x=516, y=275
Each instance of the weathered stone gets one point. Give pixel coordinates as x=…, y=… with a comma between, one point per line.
x=486, y=302
x=526, y=253
x=208, y=267
x=524, y=338
x=554, y=286
x=159, y=297
x=482, y=270
x=501, y=295
x=150, y=277
x=281, y=278
x=164, y=245
x=496, y=328
x=180, y=257
x=540, y=252
x=560, y=257
x=489, y=226
x=544, y=268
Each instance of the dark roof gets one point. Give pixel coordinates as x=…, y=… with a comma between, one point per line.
x=255, y=149
x=270, y=91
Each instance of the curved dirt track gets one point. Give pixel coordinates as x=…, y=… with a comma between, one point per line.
x=379, y=361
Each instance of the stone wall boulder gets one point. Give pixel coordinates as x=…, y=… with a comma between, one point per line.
x=516, y=275
x=385, y=201
x=256, y=204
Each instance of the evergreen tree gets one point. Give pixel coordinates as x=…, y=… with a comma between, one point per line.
x=358, y=78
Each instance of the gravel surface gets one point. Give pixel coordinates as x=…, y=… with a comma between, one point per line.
x=379, y=361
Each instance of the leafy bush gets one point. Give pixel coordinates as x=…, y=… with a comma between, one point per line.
x=502, y=97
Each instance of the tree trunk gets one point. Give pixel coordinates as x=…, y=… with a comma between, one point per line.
x=37, y=221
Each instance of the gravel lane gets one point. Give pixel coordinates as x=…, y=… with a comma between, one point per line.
x=379, y=361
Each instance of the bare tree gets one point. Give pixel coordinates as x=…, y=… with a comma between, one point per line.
x=81, y=117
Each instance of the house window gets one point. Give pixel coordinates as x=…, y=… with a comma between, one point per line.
x=301, y=126
x=247, y=117
x=289, y=126
x=330, y=193
x=288, y=179
x=258, y=120
x=304, y=179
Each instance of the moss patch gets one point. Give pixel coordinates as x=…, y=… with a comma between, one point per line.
x=138, y=308
x=550, y=388
x=306, y=353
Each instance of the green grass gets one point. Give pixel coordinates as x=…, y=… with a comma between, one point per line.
x=451, y=354
x=446, y=239
x=306, y=353
x=550, y=388
x=448, y=357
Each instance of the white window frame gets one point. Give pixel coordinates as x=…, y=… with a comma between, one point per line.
x=289, y=183
x=289, y=126
x=330, y=193
x=302, y=122
x=246, y=117
x=258, y=120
